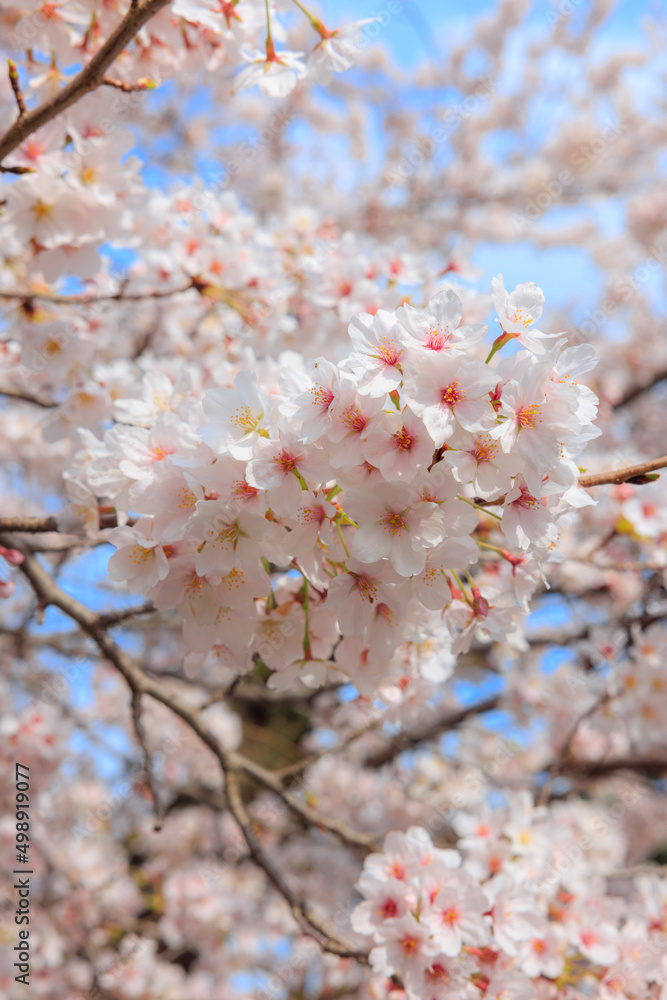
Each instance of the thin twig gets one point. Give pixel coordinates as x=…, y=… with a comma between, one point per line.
x=631, y=473
x=83, y=299
x=221, y=693
x=148, y=764
x=116, y=617
x=128, y=88
x=556, y=767
x=16, y=87
x=292, y=770
x=623, y=475
x=19, y=171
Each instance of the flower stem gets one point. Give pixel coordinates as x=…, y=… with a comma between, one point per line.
x=306, y=634
x=317, y=25
x=484, y=510
x=340, y=533
x=499, y=342
x=485, y=545
x=461, y=587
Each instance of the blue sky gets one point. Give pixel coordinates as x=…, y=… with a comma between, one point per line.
x=423, y=24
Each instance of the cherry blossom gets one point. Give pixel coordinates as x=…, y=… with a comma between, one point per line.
x=447, y=394
x=393, y=523
x=518, y=310
x=275, y=73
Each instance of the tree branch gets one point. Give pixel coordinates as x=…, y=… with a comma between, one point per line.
x=128, y=88
x=412, y=737
x=11, y=393
x=559, y=763
x=86, y=80
x=304, y=916
x=634, y=391
x=623, y=475
x=16, y=87
x=116, y=617
x=84, y=300
x=29, y=524
x=293, y=770
x=49, y=593
x=652, y=767
x=148, y=766
x=631, y=473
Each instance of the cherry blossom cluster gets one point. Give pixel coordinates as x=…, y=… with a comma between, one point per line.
x=346, y=500
x=244, y=37
x=622, y=697
x=517, y=911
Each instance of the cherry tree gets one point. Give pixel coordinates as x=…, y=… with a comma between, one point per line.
x=333, y=565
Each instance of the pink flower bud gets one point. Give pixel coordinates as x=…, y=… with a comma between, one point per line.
x=12, y=556
x=480, y=605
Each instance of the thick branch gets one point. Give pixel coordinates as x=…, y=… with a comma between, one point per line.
x=31, y=524
x=88, y=79
x=304, y=916
x=26, y=397
x=116, y=617
x=48, y=592
x=652, y=767
x=412, y=737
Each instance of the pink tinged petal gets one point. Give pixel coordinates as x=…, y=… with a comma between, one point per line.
x=440, y=423
x=405, y=559
x=475, y=415
x=446, y=308
x=371, y=543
